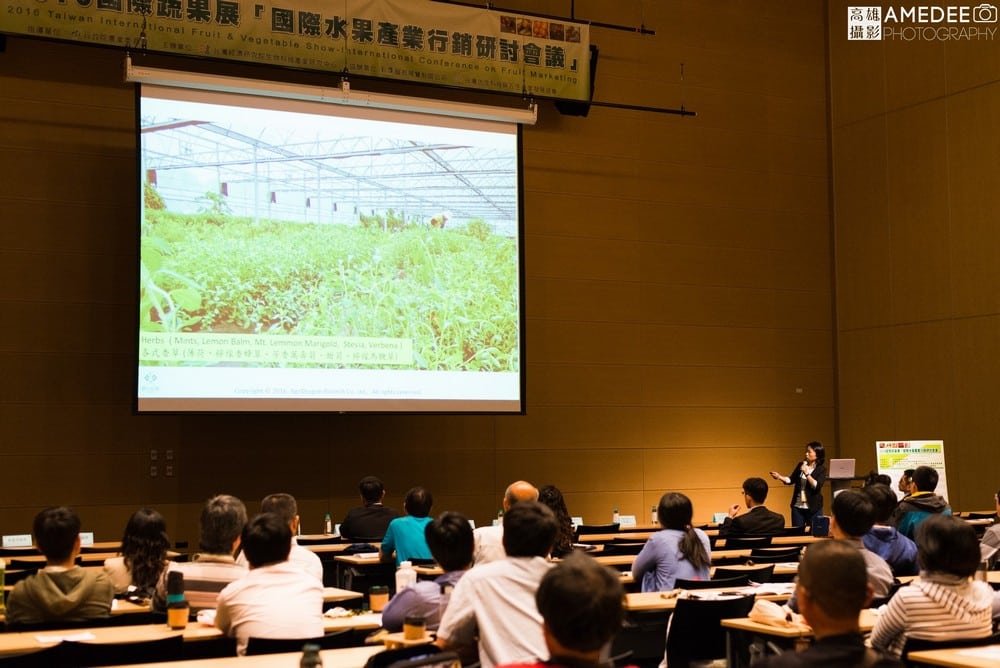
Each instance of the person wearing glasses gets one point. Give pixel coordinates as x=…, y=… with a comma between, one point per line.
x=808, y=478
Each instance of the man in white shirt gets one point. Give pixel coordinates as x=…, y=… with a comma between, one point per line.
x=276, y=599
x=495, y=602
x=285, y=507
x=489, y=540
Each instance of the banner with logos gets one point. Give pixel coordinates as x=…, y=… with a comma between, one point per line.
x=894, y=457
x=412, y=40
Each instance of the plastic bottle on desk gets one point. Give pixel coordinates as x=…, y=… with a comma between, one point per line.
x=653, y=517
x=310, y=657
x=615, y=517
x=327, y=524
x=405, y=576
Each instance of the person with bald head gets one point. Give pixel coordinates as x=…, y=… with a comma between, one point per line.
x=489, y=540
x=832, y=587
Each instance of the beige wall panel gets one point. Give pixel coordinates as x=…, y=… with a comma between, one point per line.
x=974, y=200
x=866, y=388
x=573, y=470
x=708, y=306
x=733, y=267
x=107, y=126
x=702, y=468
x=973, y=467
x=584, y=385
x=604, y=133
x=586, y=342
x=914, y=72
x=553, y=215
x=734, y=386
x=971, y=63
x=725, y=346
x=48, y=429
x=67, y=176
x=598, y=507
x=572, y=428
x=803, y=309
x=53, y=379
x=857, y=72
x=924, y=373
x=46, y=480
x=73, y=327
x=575, y=300
x=580, y=257
x=918, y=212
x=27, y=276
x=863, y=239
x=74, y=228
x=670, y=427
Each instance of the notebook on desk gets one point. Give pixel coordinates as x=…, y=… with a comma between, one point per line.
x=719, y=518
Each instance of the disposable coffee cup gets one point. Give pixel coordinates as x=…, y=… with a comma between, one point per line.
x=414, y=627
x=378, y=596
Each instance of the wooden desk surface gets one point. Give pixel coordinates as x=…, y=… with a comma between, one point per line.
x=360, y=559
x=987, y=656
x=656, y=601
x=352, y=657
x=777, y=541
x=627, y=559
x=26, y=641
x=866, y=622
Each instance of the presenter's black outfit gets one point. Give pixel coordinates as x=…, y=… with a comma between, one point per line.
x=807, y=499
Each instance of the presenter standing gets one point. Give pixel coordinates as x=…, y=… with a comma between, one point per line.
x=808, y=478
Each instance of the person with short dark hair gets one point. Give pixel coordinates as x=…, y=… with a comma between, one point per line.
x=62, y=591
x=808, y=478
x=368, y=522
x=220, y=532
x=143, y=554
x=449, y=538
x=287, y=508
x=944, y=603
x=489, y=540
x=581, y=606
x=884, y=539
x=276, y=599
x=757, y=520
x=905, y=478
x=991, y=538
x=405, y=535
x=922, y=502
x=678, y=550
x=495, y=602
x=832, y=588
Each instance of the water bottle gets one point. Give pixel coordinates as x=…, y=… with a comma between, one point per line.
x=310, y=657
x=327, y=524
x=499, y=520
x=405, y=576
x=615, y=517
x=653, y=518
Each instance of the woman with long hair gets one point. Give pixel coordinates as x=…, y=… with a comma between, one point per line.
x=143, y=553
x=676, y=551
x=550, y=496
x=808, y=478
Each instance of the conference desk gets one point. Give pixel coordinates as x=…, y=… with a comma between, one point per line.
x=19, y=642
x=776, y=541
x=627, y=559
x=665, y=601
x=351, y=657
x=987, y=656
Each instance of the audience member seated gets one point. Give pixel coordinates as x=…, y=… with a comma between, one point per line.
x=757, y=520
x=992, y=536
x=489, y=540
x=905, y=478
x=143, y=554
x=581, y=606
x=676, y=551
x=921, y=503
x=853, y=516
x=885, y=540
x=405, y=535
x=220, y=529
x=832, y=588
x=285, y=507
x=943, y=603
x=495, y=602
x=450, y=540
x=368, y=522
x=61, y=591
x=553, y=498
x=276, y=599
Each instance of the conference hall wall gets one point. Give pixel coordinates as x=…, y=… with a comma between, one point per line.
x=915, y=136
x=678, y=295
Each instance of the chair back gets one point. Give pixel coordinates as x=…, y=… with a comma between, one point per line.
x=433, y=660
x=584, y=529
x=795, y=531
x=759, y=574
x=774, y=555
x=423, y=562
x=79, y=654
x=615, y=549
x=714, y=583
x=979, y=516
x=386, y=658
x=257, y=646
x=746, y=542
x=695, y=632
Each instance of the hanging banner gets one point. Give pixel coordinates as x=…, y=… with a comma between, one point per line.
x=412, y=40
x=894, y=457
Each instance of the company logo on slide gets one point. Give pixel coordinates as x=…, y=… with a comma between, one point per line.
x=922, y=23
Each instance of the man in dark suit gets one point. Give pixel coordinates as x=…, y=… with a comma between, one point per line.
x=757, y=520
